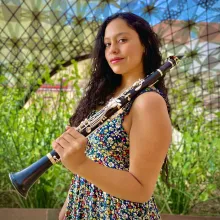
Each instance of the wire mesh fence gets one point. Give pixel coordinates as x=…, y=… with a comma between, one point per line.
x=39, y=39
x=53, y=31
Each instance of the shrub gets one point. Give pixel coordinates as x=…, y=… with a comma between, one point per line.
x=26, y=135
x=193, y=159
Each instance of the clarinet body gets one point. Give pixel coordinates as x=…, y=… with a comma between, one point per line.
x=23, y=180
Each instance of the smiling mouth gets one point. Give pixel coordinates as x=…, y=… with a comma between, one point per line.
x=116, y=61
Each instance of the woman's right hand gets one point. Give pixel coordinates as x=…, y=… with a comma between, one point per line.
x=68, y=127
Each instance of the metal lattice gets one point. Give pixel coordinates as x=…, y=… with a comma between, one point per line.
x=45, y=32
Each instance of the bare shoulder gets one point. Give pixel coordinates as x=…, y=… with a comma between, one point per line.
x=150, y=138
x=149, y=102
x=149, y=113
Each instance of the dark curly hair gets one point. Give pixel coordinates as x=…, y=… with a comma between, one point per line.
x=104, y=81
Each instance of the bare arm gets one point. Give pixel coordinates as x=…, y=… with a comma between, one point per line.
x=150, y=137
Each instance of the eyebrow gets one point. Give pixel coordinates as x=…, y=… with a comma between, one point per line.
x=121, y=33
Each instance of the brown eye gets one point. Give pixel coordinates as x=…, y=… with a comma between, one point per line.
x=122, y=40
x=107, y=44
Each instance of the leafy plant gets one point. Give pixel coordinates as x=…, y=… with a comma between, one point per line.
x=26, y=135
x=193, y=159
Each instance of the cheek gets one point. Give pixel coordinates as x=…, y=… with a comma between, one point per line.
x=134, y=49
x=106, y=55
x=135, y=54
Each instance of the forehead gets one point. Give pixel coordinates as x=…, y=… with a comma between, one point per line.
x=117, y=27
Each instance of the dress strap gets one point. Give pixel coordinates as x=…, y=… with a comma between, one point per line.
x=127, y=107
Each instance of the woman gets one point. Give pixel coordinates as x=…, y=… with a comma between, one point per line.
x=116, y=169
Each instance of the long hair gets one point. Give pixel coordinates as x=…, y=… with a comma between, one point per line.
x=103, y=80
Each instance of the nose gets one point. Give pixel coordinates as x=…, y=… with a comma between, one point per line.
x=113, y=48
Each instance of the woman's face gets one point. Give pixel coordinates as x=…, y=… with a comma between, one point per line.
x=124, y=50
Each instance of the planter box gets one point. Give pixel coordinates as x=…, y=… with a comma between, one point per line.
x=28, y=214
x=52, y=214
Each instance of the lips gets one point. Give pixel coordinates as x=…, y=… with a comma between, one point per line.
x=116, y=60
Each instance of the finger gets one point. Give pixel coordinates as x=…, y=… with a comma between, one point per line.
x=74, y=133
x=68, y=137
x=68, y=127
x=62, y=142
x=79, y=138
x=56, y=146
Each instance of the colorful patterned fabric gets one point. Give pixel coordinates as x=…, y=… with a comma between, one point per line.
x=108, y=146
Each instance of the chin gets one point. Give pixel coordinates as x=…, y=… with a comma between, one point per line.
x=118, y=72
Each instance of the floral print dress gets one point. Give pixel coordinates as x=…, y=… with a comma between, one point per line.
x=108, y=146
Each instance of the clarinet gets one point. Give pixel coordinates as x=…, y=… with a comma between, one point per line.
x=23, y=180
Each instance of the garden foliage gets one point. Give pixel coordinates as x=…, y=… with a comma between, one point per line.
x=26, y=134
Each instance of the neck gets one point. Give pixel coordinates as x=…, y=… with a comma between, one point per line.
x=128, y=81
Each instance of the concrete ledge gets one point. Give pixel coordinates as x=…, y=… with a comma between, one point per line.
x=52, y=214
x=28, y=214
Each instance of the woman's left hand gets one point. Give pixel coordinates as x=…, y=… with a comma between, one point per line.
x=71, y=147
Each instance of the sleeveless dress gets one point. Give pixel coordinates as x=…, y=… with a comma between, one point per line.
x=108, y=146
